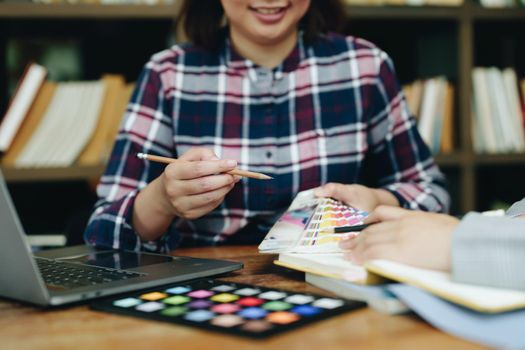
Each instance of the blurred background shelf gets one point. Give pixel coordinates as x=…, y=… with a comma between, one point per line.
x=98, y=11
x=72, y=173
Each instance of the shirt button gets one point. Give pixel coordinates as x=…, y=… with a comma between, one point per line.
x=269, y=154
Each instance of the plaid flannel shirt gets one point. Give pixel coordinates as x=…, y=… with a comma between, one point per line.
x=333, y=111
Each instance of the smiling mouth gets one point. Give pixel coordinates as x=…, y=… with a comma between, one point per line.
x=268, y=10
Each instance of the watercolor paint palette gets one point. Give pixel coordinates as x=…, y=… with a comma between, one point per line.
x=300, y=228
x=227, y=307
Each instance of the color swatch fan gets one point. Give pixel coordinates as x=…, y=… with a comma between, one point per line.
x=300, y=228
x=329, y=213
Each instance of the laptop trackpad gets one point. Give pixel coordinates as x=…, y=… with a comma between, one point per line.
x=119, y=259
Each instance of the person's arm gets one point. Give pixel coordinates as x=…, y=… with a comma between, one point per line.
x=187, y=189
x=140, y=202
x=479, y=249
x=398, y=158
x=145, y=128
x=412, y=237
x=489, y=251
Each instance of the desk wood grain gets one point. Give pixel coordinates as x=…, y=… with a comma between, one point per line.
x=26, y=327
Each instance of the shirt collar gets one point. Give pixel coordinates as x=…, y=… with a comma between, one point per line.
x=244, y=66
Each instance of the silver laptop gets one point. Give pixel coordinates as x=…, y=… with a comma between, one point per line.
x=78, y=273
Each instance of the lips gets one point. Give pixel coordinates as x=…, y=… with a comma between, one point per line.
x=267, y=11
x=269, y=15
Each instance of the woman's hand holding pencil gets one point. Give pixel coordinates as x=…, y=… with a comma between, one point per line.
x=189, y=187
x=239, y=172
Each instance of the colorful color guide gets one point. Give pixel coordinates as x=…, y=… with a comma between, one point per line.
x=228, y=307
x=329, y=213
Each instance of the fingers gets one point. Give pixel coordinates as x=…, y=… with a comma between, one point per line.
x=197, y=182
x=198, y=153
x=385, y=213
x=376, y=234
x=348, y=241
x=200, y=185
x=200, y=204
x=370, y=243
x=387, y=251
x=199, y=162
x=331, y=189
x=186, y=170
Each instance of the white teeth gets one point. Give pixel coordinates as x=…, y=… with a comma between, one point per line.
x=267, y=11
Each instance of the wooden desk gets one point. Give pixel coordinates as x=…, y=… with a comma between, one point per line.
x=26, y=327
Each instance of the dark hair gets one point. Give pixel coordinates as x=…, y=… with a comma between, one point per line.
x=202, y=20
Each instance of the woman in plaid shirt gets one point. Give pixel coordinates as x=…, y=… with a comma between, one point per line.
x=274, y=91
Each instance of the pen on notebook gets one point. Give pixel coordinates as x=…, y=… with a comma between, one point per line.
x=239, y=172
x=345, y=229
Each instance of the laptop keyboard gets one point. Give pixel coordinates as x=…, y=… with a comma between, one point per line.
x=67, y=275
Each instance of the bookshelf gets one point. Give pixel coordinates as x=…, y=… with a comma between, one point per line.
x=83, y=11
x=473, y=183
x=423, y=41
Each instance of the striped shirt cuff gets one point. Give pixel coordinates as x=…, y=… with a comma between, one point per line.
x=489, y=251
x=517, y=209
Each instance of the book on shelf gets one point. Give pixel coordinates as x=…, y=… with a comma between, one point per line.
x=507, y=118
x=429, y=115
x=95, y=151
x=71, y=123
x=444, y=2
x=498, y=3
x=447, y=133
x=31, y=123
x=413, y=92
x=499, y=109
x=484, y=135
x=24, y=96
x=67, y=125
x=513, y=99
x=431, y=102
x=498, y=116
x=522, y=86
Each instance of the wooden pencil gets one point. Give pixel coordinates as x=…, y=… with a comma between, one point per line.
x=239, y=172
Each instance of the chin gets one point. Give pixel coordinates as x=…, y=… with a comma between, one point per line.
x=270, y=37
